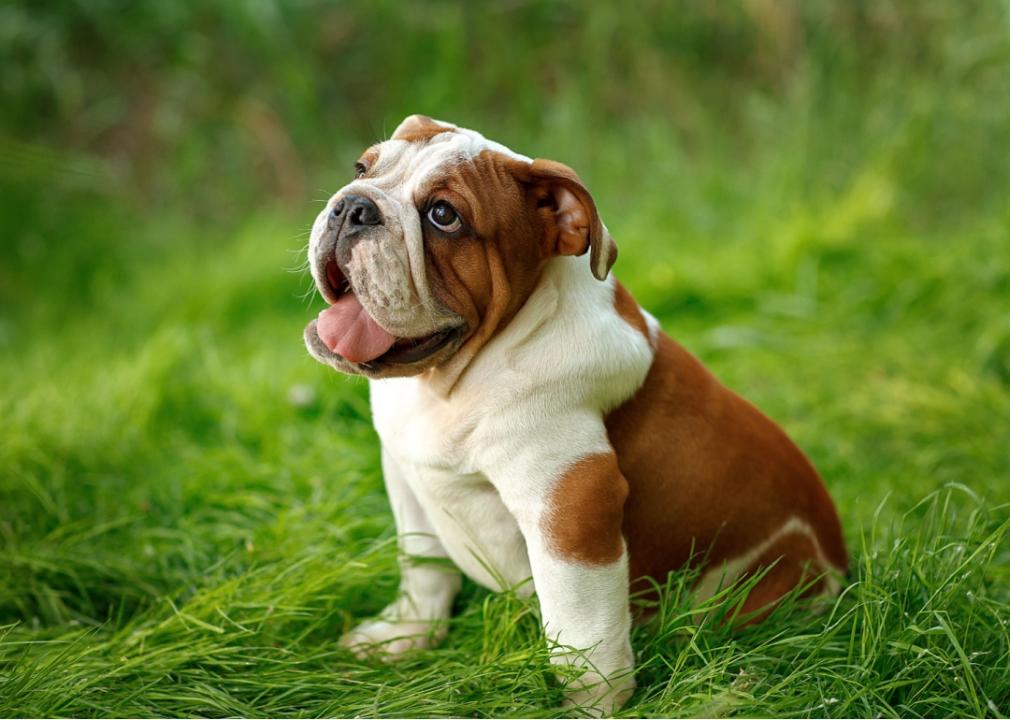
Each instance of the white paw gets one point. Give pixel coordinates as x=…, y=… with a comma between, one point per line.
x=595, y=697
x=390, y=639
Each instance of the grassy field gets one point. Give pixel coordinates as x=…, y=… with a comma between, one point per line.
x=813, y=198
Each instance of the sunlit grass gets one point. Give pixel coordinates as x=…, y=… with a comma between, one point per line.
x=194, y=511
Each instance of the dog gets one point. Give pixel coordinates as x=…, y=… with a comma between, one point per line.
x=534, y=421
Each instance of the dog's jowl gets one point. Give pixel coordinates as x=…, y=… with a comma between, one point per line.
x=535, y=421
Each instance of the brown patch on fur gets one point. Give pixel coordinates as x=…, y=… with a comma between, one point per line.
x=710, y=476
x=586, y=507
x=629, y=311
x=487, y=272
x=791, y=562
x=418, y=128
x=369, y=157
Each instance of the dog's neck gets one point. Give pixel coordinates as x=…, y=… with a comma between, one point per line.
x=561, y=277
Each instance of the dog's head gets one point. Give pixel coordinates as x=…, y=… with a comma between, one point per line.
x=435, y=245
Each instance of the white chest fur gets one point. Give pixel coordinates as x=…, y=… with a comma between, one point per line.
x=538, y=389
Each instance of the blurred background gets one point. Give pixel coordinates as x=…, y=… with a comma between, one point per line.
x=814, y=197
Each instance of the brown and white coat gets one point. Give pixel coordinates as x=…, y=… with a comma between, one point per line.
x=560, y=435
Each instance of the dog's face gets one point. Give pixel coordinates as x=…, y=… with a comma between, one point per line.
x=435, y=245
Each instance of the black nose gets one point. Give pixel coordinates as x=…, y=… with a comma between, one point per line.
x=358, y=210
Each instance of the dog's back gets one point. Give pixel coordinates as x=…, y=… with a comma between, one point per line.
x=713, y=480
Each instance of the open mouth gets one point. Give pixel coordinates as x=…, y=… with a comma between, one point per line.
x=347, y=330
x=337, y=283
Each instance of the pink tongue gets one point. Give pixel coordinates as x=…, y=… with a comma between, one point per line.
x=347, y=330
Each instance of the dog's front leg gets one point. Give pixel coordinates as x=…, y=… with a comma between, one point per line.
x=418, y=617
x=570, y=511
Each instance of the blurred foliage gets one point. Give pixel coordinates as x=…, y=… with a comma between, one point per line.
x=209, y=111
x=192, y=102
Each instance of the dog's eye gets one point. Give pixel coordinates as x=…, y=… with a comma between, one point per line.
x=444, y=217
x=359, y=170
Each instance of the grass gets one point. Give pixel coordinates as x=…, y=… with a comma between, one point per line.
x=191, y=509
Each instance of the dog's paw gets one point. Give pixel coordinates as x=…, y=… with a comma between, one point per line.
x=593, y=696
x=389, y=639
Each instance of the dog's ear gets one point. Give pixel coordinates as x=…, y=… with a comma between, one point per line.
x=420, y=127
x=569, y=215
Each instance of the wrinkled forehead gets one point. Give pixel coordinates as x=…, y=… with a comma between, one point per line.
x=400, y=166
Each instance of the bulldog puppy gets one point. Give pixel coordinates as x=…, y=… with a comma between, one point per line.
x=534, y=420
